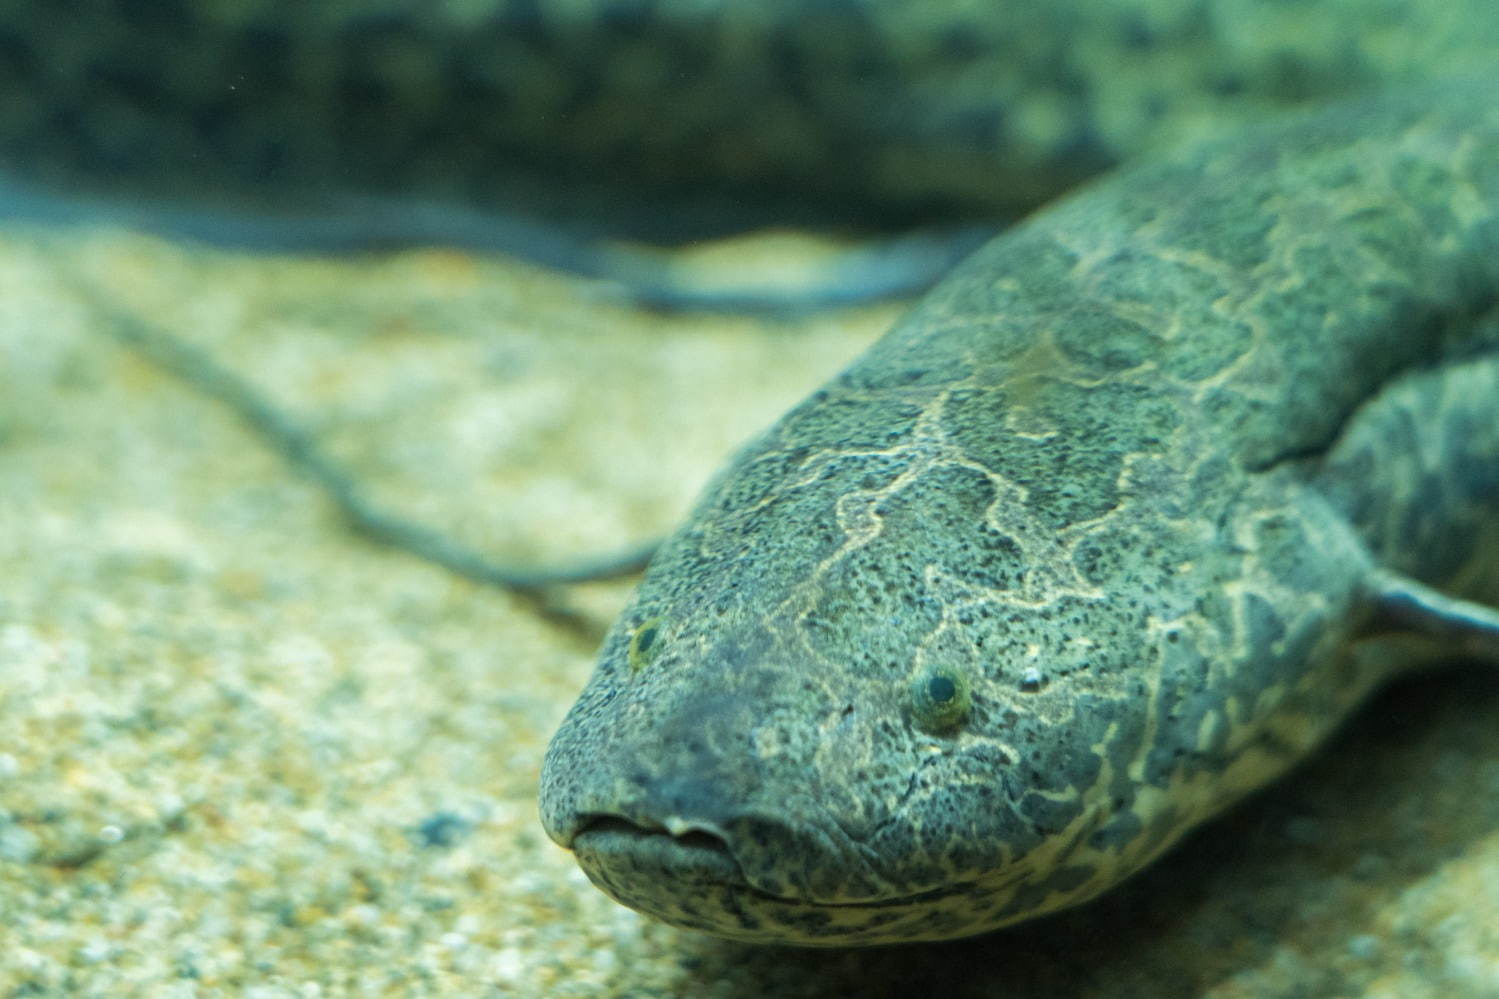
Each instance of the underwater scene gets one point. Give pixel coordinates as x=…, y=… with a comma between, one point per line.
x=625, y=498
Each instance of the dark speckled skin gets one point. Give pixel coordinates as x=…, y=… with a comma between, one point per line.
x=1125, y=476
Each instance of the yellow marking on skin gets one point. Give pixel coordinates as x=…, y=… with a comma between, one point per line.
x=1205, y=729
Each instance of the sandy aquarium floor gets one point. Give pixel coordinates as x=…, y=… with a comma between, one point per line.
x=244, y=751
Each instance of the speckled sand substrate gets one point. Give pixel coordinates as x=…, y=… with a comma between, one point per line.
x=243, y=752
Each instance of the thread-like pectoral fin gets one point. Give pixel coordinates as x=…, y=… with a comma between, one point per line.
x=1403, y=604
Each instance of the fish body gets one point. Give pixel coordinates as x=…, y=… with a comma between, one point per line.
x=1110, y=530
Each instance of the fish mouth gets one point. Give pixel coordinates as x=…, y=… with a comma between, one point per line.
x=694, y=853
x=689, y=878
x=622, y=855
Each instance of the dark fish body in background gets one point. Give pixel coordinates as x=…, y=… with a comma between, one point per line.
x=675, y=117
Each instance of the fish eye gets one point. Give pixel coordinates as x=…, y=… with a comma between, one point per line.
x=940, y=699
x=643, y=644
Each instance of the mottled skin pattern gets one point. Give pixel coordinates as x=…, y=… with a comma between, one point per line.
x=1086, y=548
x=841, y=109
x=1079, y=553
